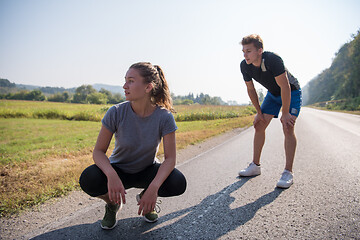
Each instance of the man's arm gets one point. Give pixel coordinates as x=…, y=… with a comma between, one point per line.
x=284, y=84
x=255, y=101
x=253, y=95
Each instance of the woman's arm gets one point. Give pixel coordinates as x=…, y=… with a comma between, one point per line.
x=148, y=200
x=116, y=189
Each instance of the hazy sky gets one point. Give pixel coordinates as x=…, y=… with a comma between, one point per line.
x=67, y=43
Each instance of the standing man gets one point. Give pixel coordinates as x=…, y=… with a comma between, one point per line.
x=284, y=91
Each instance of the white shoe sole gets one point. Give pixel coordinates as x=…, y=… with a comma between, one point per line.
x=248, y=175
x=108, y=228
x=149, y=221
x=284, y=185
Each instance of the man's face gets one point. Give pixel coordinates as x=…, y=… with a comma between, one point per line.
x=251, y=54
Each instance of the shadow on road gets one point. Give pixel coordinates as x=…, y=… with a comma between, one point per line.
x=210, y=219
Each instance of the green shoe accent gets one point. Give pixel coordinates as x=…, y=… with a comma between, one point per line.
x=153, y=215
x=109, y=221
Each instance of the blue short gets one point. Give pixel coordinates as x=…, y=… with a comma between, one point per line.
x=272, y=104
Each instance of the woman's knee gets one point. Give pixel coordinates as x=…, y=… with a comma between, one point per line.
x=174, y=185
x=93, y=181
x=181, y=183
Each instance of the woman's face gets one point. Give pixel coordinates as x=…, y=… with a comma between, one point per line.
x=135, y=87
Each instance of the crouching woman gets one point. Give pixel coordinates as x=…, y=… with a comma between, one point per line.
x=139, y=124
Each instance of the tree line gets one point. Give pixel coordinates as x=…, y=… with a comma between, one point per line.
x=83, y=94
x=339, y=84
x=89, y=95
x=203, y=99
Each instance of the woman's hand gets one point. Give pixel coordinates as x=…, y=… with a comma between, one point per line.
x=148, y=201
x=116, y=189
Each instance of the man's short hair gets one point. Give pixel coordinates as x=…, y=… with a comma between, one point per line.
x=253, y=38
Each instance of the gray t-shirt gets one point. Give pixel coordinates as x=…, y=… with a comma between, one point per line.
x=137, y=139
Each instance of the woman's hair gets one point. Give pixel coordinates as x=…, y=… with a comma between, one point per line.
x=253, y=38
x=153, y=74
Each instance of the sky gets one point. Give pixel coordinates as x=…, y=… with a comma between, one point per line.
x=68, y=43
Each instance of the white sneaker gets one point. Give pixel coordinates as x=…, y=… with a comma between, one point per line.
x=286, y=179
x=251, y=170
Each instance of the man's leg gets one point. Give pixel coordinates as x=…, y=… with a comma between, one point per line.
x=290, y=146
x=289, y=132
x=286, y=179
x=259, y=137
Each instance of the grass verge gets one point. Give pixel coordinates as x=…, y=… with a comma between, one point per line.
x=92, y=112
x=41, y=159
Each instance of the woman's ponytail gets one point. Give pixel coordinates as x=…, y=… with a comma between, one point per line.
x=153, y=74
x=163, y=96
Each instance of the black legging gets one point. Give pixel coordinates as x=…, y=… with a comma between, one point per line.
x=94, y=182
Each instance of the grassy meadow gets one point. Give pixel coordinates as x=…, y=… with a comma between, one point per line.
x=43, y=150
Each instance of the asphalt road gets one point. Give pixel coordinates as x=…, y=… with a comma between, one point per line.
x=323, y=203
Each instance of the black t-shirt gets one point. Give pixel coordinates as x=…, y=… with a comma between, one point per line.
x=271, y=66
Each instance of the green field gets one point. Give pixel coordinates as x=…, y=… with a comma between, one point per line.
x=41, y=158
x=32, y=139
x=92, y=112
x=52, y=110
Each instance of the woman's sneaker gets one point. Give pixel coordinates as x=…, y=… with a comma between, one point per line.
x=251, y=170
x=109, y=221
x=286, y=179
x=153, y=215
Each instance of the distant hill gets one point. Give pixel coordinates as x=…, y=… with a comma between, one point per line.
x=26, y=87
x=111, y=88
x=6, y=86
x=341, y=80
